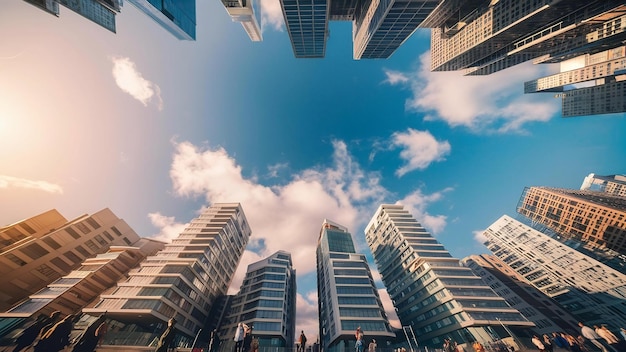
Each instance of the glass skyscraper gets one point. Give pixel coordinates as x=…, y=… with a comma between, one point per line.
x=176, y=16
x=181, y=281
x=432, y=292
x=266, y=302
x=347, y=294
x=379, y=26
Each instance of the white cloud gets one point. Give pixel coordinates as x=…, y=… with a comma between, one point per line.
x=272, y=15
x=169, y=228
x=273, y=170
x=130, y=80
x=494, y=103
x=395, y=77
x=308, y=318
x=15, y=182
x=479, y=236
x=286, y=216
x=417, y=202
x=420, y=149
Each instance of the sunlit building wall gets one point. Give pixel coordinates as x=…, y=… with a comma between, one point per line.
x=589, y=290
x=266, y=302
x=597, y=219
x=182, y=281
x=75, y=290
x=433, y=293
x=41, y=249
x=347, y=294
x=248, y=13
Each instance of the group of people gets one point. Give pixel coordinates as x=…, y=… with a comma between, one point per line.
x=360, y=341
x=244, y=342
x=594, y=335
x=53, y=334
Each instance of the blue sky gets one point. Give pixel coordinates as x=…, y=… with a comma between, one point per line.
x=155, y=128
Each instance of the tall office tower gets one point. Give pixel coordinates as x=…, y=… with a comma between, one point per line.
x=266, y=302
x=182, y=281
x=347, y=294
x=177, y=17
x=432, y=292
x=248, y=13
x=612, y=184
x=101, y=12
x=594, y=218
x=585, y=36
x=75, y=290
x=36, y=251
x=547, y=315
x=379, y=27
x=584, y=287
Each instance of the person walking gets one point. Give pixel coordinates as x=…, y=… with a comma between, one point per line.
x=92, y=335
x=372, y=346
x=302, y=342
x=239, y=335
x=537, y=342
x=358, y=334
x=547, y=342
x=214, y=342
x=592, y=336
x=167, y=337
x=57, y=337
x=28, y=336
x=607, y=335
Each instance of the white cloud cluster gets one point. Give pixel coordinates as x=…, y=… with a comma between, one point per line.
x=272, y=14
x=169, y=228
x=494, y=103
x=289, y=216
x=416, y=203
x=420, y=149
x=15, y=182
x=131, y=81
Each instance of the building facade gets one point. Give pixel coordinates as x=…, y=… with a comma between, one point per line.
x=36, y=251
x=547, y=315
x=432, y=292
x=248, y=13
x=266, y=302
x=175, y=16
x=596, y=219
x=182, y=281
x=482, y=37
x=347, y=294
x=101, y=12
x=589, y=290
x=75, y=290
x=612, y=184
x=379, y=27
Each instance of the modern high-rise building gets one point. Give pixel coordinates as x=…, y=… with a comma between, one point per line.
x=433, y=293
x=248, y=13
x=596, y=219
x=182, y=281
x=379, y=27
x=347, y=295
x=485, y=36
x=612, y=184
x=176, y=16
x=547, y=315
x=101, y=12
x=589, y=290
x=36, y=251
x=75, y=290
x=266, y=302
